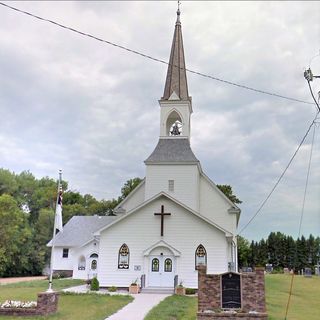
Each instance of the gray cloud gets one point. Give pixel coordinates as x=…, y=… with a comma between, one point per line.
x=70, y=102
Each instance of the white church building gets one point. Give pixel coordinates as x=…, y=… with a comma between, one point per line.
x=174, y=220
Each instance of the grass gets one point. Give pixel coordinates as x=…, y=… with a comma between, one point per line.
x=71, y=306
x=174, y=308
x=304, y=303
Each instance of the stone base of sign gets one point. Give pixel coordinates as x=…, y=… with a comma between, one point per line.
x=252, y=296
x=47, y=303
x=228, y=316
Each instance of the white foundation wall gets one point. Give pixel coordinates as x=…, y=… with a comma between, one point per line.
x=186, y=183
x=215, y=207
x=141, y=230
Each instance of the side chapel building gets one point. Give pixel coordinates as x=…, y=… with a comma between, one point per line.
x=174, y=220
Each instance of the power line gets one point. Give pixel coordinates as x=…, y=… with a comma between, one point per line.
x=154, y=59
x=300, y=223
x=281, y=176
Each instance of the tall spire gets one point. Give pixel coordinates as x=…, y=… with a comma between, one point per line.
x=176, y=80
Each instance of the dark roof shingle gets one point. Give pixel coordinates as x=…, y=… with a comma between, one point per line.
x=172, y=150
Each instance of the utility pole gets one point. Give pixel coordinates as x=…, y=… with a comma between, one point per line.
x=308, y=75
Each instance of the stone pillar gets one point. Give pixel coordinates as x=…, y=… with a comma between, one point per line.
x=209, y=290
x=47, y=302
x=253, y=291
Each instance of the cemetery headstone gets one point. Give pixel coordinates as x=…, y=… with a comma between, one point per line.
x=307, y=272
x=269, y=268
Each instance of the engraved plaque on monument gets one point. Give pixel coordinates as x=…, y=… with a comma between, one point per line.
x=231, y=291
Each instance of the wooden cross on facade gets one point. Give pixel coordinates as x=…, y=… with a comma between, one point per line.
x=162, y=214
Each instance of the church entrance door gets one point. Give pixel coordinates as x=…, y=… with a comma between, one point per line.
x=161, y=271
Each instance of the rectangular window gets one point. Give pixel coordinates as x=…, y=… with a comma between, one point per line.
x=171, y=185
x=65, y=253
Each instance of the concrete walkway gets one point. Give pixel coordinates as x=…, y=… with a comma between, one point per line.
x=139, y=307
x=135, y=310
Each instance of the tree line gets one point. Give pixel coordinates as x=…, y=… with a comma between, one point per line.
x=27, y=208
x=281, y=251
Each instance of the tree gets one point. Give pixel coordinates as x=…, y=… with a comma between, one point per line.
x=227, y=190
x=243, y=251
x=129, y=186
x=14, y=235
x=8, y=183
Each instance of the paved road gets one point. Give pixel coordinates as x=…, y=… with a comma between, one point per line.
x=20, y=279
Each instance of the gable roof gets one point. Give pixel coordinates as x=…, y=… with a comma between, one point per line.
x=162, y=243
x=163, y=194
x=81, y=229
x=172, y=150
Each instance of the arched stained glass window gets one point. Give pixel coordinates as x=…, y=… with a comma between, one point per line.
x=168, y=265
x=155, y=265
x=123, y=258
x=200, y=256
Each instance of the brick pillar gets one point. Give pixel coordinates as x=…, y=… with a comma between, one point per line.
x=47, y=303
x=209, y=290
x=202, y=273
x=253, y=291
x=260, y=290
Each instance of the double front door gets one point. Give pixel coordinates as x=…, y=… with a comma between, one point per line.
x=161, y=271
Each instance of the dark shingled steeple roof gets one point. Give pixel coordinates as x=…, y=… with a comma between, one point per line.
x=176, y=80
x=172, y=150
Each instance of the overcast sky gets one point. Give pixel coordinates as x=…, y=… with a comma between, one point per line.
x=91, y=109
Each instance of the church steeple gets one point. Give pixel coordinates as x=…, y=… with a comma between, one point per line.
x=176, y=105
x=176, y=85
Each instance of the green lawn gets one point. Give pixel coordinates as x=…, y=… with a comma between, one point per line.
x=174, y=308
x=304, y=305
x=305, y=301
x=71, y=307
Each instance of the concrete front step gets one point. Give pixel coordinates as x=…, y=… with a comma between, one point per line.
x=160, y=290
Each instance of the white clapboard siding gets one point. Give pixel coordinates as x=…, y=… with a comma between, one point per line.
x=135, y=198
x=140, y=230
x=215, y=207
x=60, y=263
x=186, y=182
x=86, y=251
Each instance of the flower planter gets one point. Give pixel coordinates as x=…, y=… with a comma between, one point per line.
x=134, y=289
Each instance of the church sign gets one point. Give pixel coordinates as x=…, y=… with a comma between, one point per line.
x=231, y=295
x=231, y=290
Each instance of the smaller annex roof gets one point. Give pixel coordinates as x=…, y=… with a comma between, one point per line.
x=172, y=150
x=80, y=229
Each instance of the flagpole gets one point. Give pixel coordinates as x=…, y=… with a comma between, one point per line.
x=54, y=234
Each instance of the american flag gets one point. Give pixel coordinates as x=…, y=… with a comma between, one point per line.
x=58, y=218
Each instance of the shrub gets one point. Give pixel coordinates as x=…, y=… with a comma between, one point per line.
x=191, y=291
x=112, y=289
x=94, y=284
